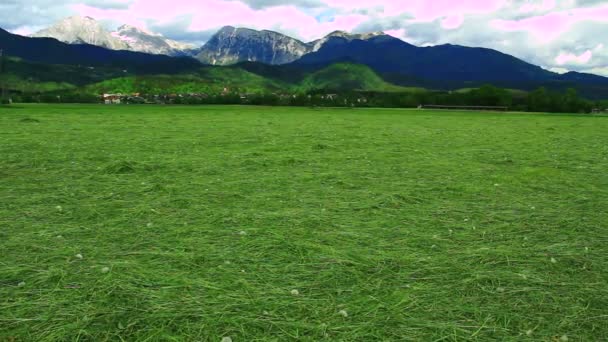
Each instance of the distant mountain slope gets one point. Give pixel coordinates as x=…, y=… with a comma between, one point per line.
x=338, y=78
x=288, y=73
x=385, y=54
x=52, y=51
x=209, y=80
x=583, y=77
x=26, y=76
x=38, y=78
x=447, y=66
x=346, y=77
x=32, y=77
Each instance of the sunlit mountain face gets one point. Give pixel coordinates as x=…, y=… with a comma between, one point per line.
x=87, y=30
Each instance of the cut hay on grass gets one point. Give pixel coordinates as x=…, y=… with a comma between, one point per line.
x=273, y=224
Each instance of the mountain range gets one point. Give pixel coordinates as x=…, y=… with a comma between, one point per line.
x=52, y=51
x=230, y=45
x=275, y=56
x=86, y=30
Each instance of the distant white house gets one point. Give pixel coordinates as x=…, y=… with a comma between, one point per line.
x=112, y=98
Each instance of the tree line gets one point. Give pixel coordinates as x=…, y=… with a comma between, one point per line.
x=539, y=100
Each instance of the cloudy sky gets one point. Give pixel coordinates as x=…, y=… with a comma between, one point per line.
x=556, y=34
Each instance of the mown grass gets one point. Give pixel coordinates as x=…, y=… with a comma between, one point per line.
x=197, y=223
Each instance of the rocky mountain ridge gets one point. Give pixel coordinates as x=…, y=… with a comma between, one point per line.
x=86, y=30
x=230, y=45
x=82, y=30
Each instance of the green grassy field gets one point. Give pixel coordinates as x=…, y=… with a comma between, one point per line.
x=272, y=224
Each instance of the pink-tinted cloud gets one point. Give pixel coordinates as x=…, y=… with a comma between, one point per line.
x=567, y=58
x=423, y=10
x=535, y=6
x=548, y=27
x=208, y=14
x=452, y=22
x=431, y=10
x=400, y=33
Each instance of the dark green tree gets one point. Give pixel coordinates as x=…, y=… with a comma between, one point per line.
x=539, y=100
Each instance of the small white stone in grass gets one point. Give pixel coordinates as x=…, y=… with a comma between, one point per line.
x=21, y=284
x=227, y=339
x=533, y=208
x=451, y=232
x=242, y=233
x=466, y=220
x=243, y=271
x=496, y=184
x=529, y=332
x=105, y=270
x=295, y=292
x=564, y=338
x=59, y=208
x=149, y=225
x=343, y=313
x=553, y=261
x=79, y=256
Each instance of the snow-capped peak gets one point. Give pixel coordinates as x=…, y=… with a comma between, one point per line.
x=79, y=30
x=143, y=40
x=82, y=30
x=353, y=36
x=129, y=28
x=317, y=44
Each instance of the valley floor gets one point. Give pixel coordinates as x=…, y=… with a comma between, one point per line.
x=254, y=223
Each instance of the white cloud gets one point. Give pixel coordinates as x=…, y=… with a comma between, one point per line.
x=558, y=70
x=452, y=22
x=536, y=6
x=568, y=58
x=598, y=71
